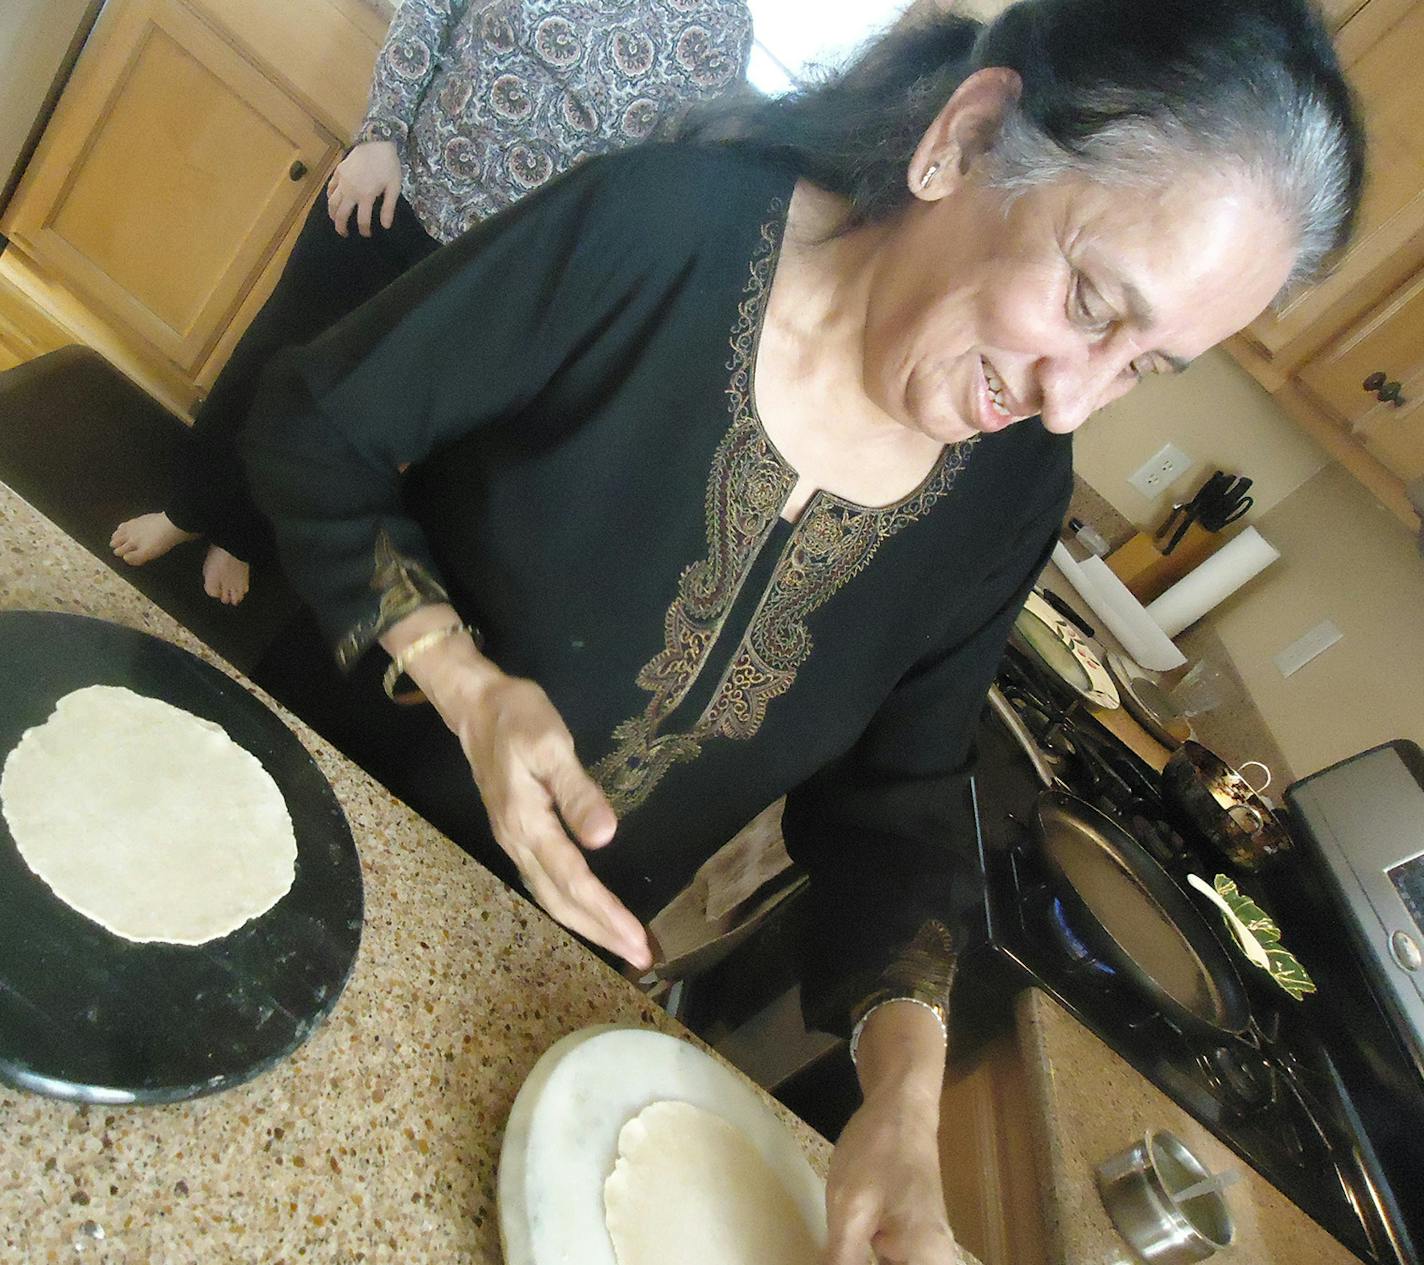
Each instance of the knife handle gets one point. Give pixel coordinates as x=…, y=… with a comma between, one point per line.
x=1171, y=518
x=1068, y=612
x=1187, y=520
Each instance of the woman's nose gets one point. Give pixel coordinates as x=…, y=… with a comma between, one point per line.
x=1074, y=388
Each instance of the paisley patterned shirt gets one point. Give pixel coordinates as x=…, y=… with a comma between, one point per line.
x=487, y=99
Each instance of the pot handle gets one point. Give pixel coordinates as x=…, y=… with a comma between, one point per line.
x=1247, y=808
x=1264, y=769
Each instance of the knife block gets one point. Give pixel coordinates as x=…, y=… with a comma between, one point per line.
x=1148, y=572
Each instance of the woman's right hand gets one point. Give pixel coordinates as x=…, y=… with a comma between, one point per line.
x=371, y=170
x=534, y=789
x=537, y=794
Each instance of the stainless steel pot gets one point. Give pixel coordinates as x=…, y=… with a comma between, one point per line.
x=1140, y=1189
x=1224, y=806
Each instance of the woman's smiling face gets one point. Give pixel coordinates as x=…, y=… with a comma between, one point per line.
x=986, y=308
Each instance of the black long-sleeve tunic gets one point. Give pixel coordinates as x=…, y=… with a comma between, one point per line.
x=571, y=388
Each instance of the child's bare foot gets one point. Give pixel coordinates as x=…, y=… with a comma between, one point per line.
x=224, y=576
x=149, y=536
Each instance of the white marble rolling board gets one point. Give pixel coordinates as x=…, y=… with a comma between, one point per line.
x=562, y=1138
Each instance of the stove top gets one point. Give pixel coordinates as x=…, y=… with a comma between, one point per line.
x=1275, y=1094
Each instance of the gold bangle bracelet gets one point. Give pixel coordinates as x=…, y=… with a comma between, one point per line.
x=419, y=646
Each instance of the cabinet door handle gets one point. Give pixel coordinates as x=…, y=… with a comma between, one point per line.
x=298, y=170
x=1385, y=391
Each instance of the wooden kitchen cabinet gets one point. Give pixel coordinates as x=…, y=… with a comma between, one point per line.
x=987, y=1149
x=174, y=175
x=1338, y=12
x=168, y=173
x=25, y=330
x=1389, y=346
x=1366, y=314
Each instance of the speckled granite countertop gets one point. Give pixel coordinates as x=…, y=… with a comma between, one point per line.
x=1089, y=1105
x=377, y=1140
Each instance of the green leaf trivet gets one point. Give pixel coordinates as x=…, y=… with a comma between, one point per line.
x=1284, y=967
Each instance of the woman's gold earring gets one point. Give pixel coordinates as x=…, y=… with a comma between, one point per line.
x=930, y=173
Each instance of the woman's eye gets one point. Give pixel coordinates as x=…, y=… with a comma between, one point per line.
x=1090, y=309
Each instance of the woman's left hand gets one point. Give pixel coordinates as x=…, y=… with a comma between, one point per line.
x=884, y=1198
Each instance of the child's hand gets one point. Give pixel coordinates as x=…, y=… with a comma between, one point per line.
x=370, y=171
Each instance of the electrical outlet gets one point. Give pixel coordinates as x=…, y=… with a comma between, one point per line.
x=1158, y=473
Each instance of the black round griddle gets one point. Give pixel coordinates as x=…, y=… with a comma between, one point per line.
x=1136, y=918
x=88, y=1015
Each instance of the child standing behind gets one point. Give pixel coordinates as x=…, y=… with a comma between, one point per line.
x=473, y=105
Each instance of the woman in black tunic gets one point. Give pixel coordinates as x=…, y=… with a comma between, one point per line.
x=741, y=458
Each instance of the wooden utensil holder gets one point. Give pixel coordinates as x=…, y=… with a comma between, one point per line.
x=1148, y=573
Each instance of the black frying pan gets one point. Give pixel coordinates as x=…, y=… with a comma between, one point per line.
x=1132, y=914
x=1127, y=909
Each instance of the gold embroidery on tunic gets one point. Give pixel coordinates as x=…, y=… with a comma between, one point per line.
x=403, y=586
x=831, y=543
x=923, y=969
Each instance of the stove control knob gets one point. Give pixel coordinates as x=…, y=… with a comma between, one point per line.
x=1405, y=951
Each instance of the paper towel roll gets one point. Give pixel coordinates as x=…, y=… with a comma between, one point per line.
x=1126, y=618
x=1215, y=580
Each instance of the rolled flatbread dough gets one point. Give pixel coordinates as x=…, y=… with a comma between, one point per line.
x=688, y=1188
x=147, y=819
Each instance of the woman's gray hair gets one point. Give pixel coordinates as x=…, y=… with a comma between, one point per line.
x=1287, y=144
x=1120, y=91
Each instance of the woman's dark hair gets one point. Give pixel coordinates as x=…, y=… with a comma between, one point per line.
x=1125, y=92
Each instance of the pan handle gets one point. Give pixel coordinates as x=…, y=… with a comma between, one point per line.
x=1013, y=722
x=1264, y=769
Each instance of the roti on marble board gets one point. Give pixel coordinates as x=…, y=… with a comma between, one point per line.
x=562, y=1146
x=147, y=819
x=689, y=1185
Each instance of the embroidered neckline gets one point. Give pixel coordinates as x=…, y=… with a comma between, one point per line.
x=831, y=542
x=773, y=236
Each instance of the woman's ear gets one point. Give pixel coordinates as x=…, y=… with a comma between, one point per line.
x=962, y=132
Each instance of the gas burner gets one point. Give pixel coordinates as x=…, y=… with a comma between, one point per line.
x=1161, y=840
x=1048, y=727
x=1243, y=1079
x=1085, y=756
x=1080, y=956
x=1290, y=1137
